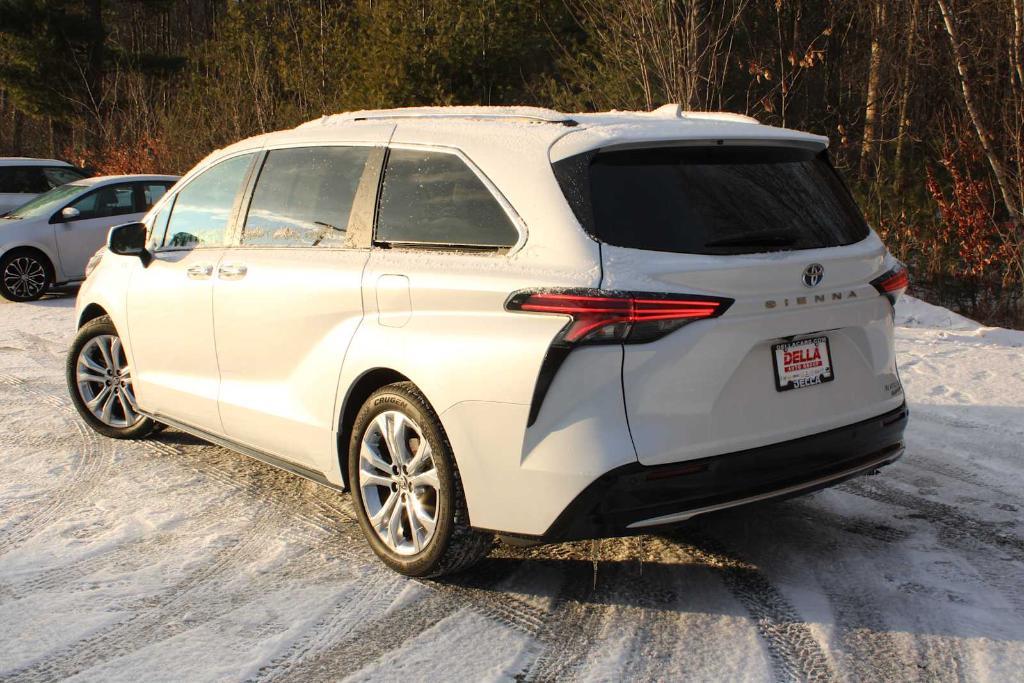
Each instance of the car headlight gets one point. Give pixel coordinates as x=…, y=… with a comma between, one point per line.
x=94, y=261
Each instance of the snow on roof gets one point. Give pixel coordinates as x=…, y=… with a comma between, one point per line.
x=28, y=161
x=566, y=134
x=96, y=180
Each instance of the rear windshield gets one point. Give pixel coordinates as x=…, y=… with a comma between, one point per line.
x=712, y=200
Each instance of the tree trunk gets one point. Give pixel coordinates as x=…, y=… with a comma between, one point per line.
x=971, y=104
x=870, y=142
x=905, y=90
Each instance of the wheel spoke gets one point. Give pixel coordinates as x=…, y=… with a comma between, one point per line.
x=428, y=478
x=84, y=376
x=368, y=453
x=108, y=407
x=126, y=407
x=98, y=398
x=392, y=426
x=423, y=454
x=385, y=510
x=115, y=353
x=370, y=479
x=423, y=517
x=102, y=345
x=414, y=532
x=84, y=359
x=393, y=525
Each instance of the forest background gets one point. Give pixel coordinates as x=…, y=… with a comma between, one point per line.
x=923, y=100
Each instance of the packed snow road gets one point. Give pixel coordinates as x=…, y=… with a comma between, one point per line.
x=171, y=559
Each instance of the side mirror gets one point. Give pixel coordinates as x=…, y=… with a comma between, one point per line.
x=129, y=240
x=70, y=213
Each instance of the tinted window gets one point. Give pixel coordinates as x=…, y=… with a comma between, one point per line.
x=202, y=208
x=23, y=180
x=304, y=196
x=57, y=176
x=435, y=198
x=714, y=200
x=112, y=200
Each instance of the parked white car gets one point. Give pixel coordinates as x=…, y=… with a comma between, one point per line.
x=50, y=239
x=22, y=179
x=507, y=321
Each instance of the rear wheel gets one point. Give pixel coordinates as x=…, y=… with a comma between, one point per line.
x=25, y=275
x=406, y=486
x=100, y=382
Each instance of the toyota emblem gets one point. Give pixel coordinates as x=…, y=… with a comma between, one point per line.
x=813, y=275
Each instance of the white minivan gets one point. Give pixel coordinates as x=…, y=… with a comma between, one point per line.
x=507, y=321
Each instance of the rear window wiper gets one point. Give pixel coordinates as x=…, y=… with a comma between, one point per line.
x=779, y=239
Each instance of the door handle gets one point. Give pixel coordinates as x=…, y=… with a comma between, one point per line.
x=232, y=271
x=200, y=272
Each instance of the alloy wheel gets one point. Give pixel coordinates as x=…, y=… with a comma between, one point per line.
x=25, y=277
x=398, y=482
x=104, y=382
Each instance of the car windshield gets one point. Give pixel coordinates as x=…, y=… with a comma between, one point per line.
x=48, y=202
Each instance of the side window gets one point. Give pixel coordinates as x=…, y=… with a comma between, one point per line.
x=149, y=194
x=7, y=180
x=55, y=177
x=202, y=208
x=23, y=180
x=435, y=198
x=304, y=196
x=112, y=200
x=158, y=229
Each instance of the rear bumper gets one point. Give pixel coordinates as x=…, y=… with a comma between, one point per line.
x=634, y=498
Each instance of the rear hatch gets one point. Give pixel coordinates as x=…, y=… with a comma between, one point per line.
x=807, y=345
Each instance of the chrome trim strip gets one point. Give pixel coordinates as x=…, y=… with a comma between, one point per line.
x=682, y=516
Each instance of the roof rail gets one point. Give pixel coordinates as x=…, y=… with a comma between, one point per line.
x=524, y=118
x=521, y=114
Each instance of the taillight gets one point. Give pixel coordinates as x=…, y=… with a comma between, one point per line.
x=601, y=317
x=892, y=283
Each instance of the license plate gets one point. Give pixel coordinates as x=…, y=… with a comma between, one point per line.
x=800, y=364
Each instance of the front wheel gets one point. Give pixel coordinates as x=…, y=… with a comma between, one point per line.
x=100, y=382
x=24, y=276
x=408, y=494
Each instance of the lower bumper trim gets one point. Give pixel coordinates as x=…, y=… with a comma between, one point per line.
x=778, y=493
x=635, y=498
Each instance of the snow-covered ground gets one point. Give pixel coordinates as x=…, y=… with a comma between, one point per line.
x=171, y=559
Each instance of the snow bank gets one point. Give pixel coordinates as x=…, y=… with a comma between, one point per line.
x=911, y=312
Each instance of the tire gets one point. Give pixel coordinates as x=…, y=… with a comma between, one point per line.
x=430, y=484
x=97, y=348
x=25, y=275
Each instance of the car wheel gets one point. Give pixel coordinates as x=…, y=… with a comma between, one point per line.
x=24, y=276
x=408, y=494
x=100, y=382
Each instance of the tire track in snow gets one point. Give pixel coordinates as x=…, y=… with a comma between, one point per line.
x=974, y=539
x=579, y=614
x=166, y=607
x=89, y=470
x=345, y=616
x=351, y=645
x=795, y=654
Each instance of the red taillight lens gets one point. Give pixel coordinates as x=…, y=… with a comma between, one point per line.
x=893, y=282
x=616, y=318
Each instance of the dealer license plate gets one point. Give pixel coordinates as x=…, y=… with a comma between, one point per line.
x=800, y=364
